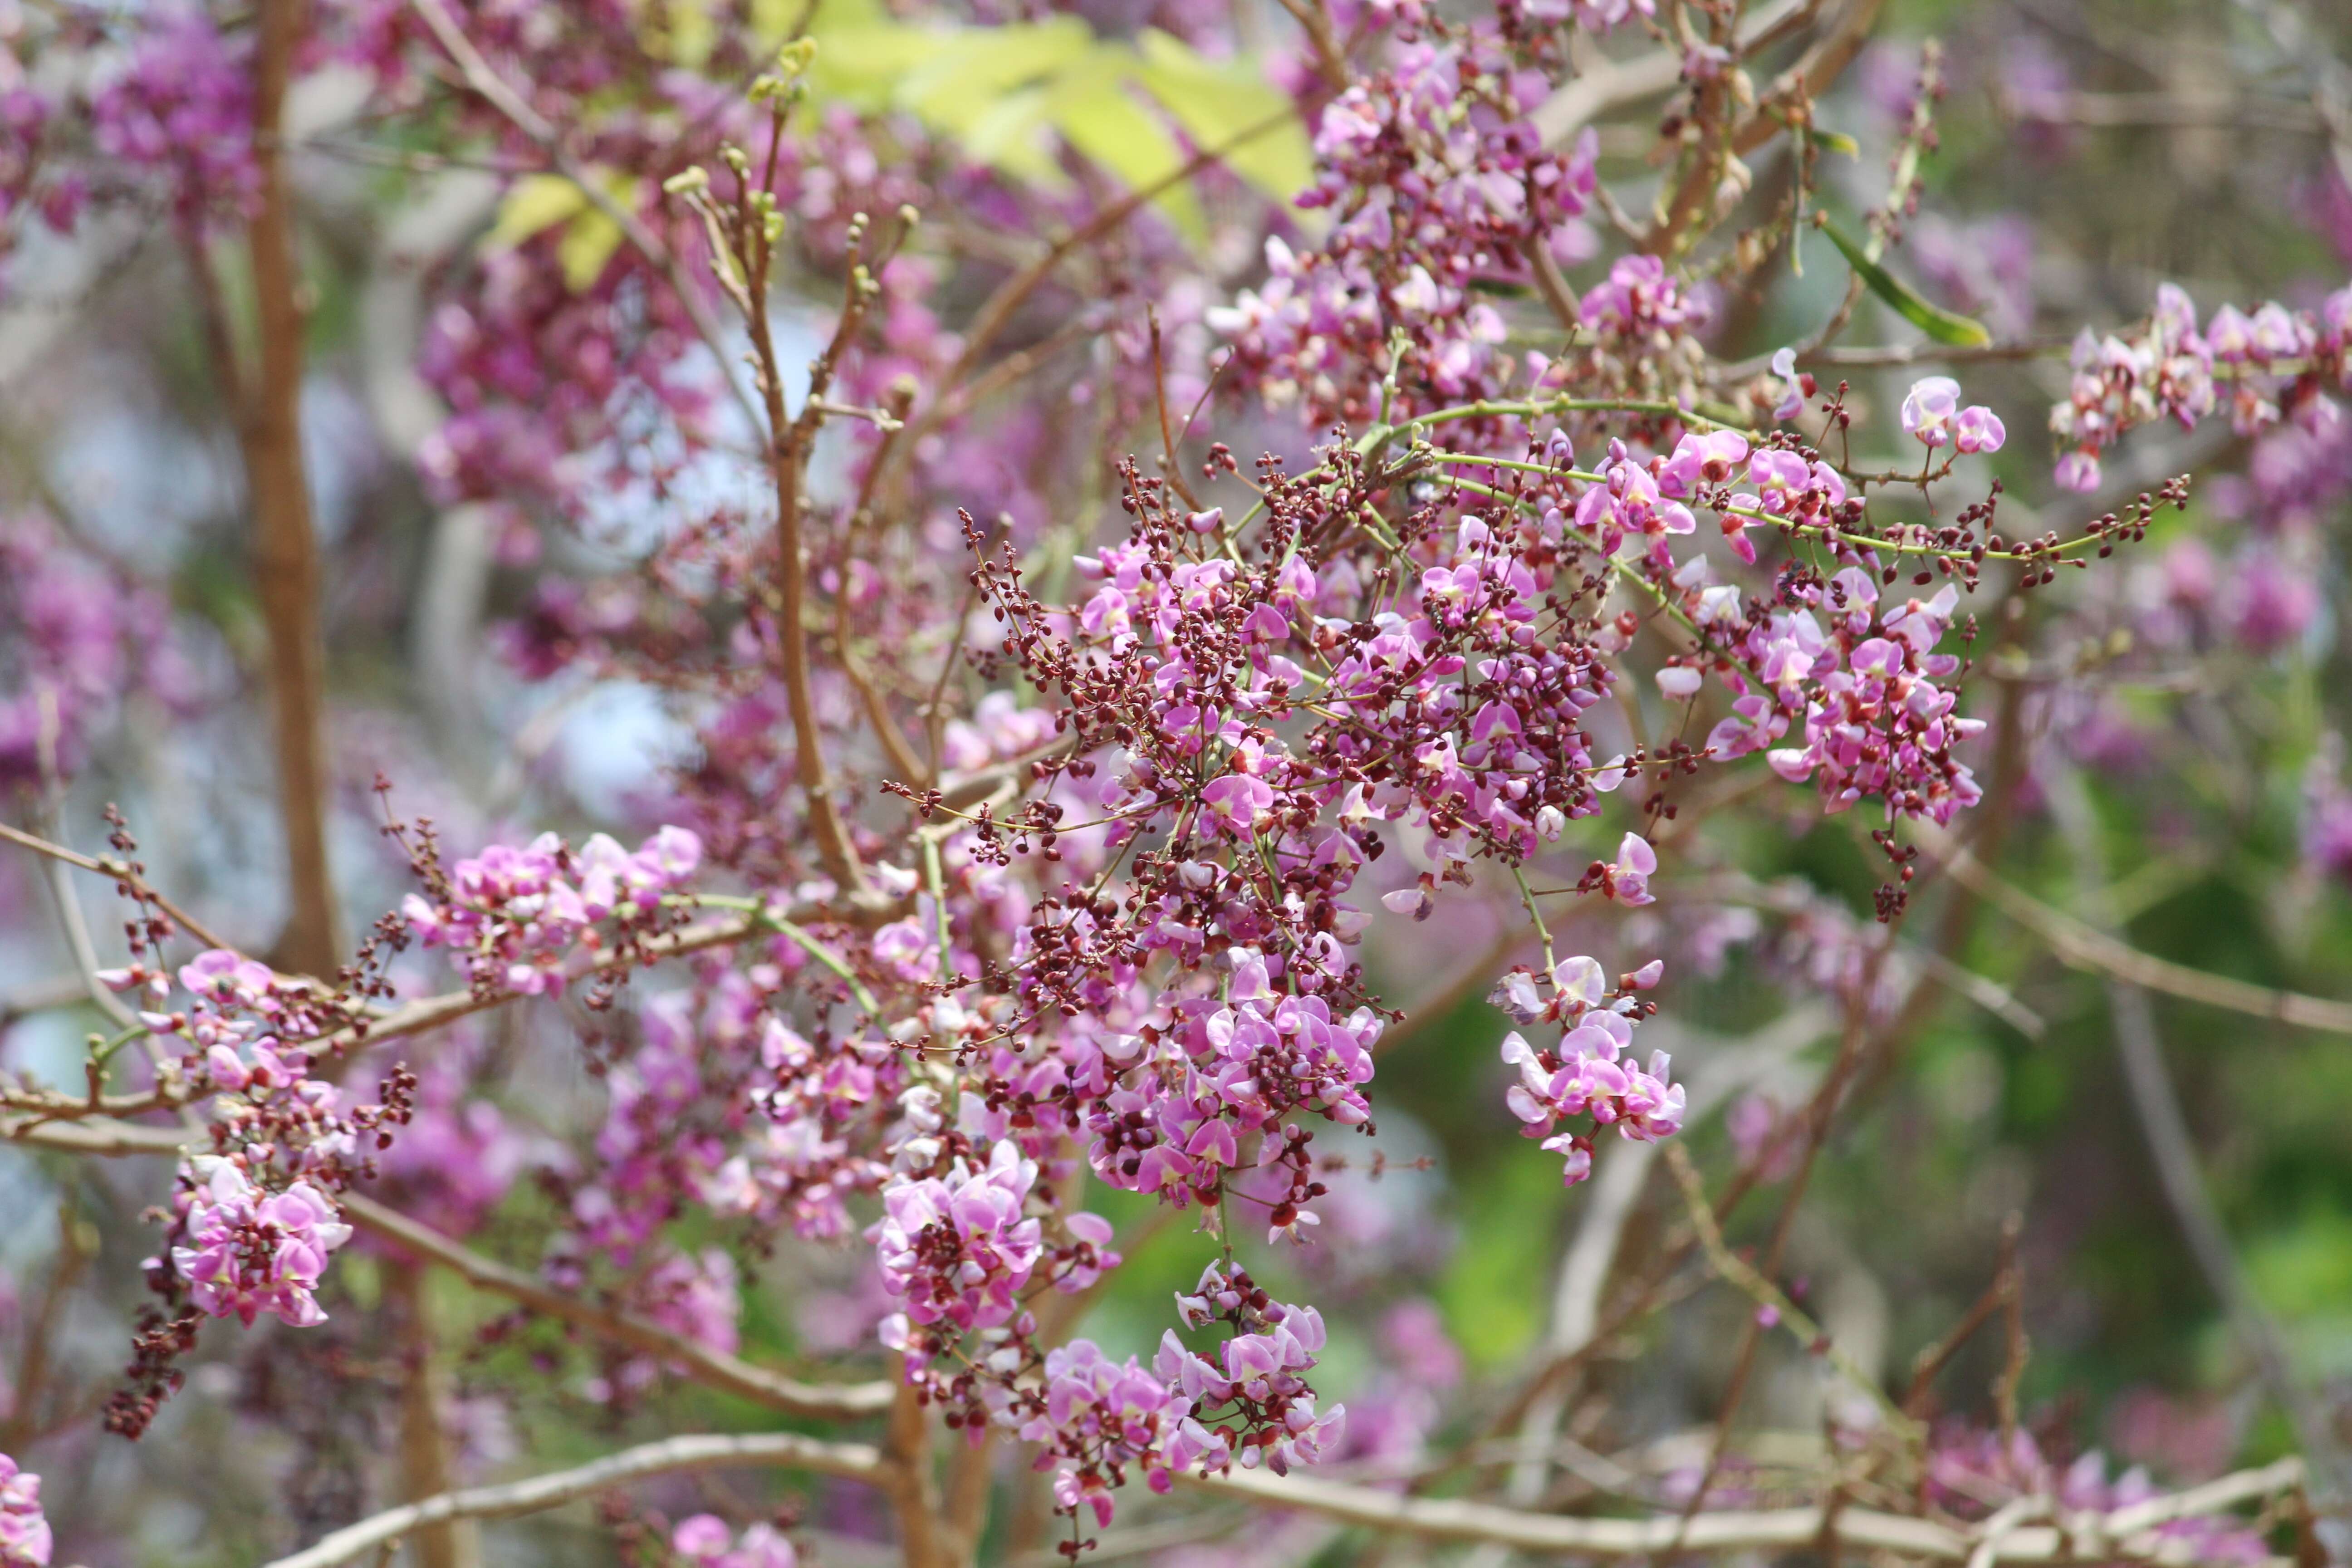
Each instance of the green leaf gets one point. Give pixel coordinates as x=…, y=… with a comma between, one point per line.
x=954, y=89
x=1944, y=326
x=1010, y=137
x=1836, y=142
x=533, y=204
x=863, y=52
x=1215, y=102
x=682, y=31
x=537, y=203
x=588, y=243
x=1108, y=125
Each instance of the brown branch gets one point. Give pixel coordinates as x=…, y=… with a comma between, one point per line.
x=715, y=1368
x=671, y=1455
x=787, y=451
x=2127, y=1534
x=2082, y=946
x=1998, y=1295
x=286, y=549
x=424, y=1447
x=1613, y=84
x=106, y=867
x=914, y=1493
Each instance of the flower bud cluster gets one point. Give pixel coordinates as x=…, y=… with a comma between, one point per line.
x=512, y=918
x=1438, y=184
x=2274, y=364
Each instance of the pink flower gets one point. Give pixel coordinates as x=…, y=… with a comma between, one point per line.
x=1978, y=429
x=1235, y=804
x=1627, y=879
x=1929, y=408
x=1798, y=387
x=25, y=1538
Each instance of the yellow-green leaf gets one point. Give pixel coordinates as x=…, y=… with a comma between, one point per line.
x=588, y=243
x=1010, y=137
x=1215, y=102
x=861, y=64
x=954, y=89
x=533, y=204
x=537, y=203
x=1106, y=124
x=1944, y=326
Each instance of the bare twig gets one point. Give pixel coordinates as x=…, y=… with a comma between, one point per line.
x=2083, y=946
x=715, y=1368
x=2172, y=1148
x=2127, y=1534
x=115, y=868
x=672, y=1455
x=1613, y=84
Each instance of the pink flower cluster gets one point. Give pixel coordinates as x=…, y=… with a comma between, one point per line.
x=959, y=1248
x=511, y=919
x=1438, y=184
x=244, y=1251
x=75, y=639
x=2270, y=365
x=1932, y=416
x=181, y=105
x=246, y=1035
x=1251, y=1406
x=1223, y=1070
x=25, y=1537
x=1864, y=695
x=1583, y=1076
x=703, y=1540
x=1639, y=300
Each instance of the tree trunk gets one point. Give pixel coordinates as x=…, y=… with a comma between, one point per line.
x=286, y=550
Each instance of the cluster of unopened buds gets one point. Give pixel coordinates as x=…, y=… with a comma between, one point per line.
x=1584, y=1076
x=2275, y=363
x=512, y=918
